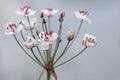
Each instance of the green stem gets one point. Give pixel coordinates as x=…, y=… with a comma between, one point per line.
x=40, y=54
x=26, y=51
x=71, y=58
x=49, y=26
x=57, y=42
x=62, y=52
x=22, y=35
x=48, y=76
x=45, y=56
x=75, y=35
x=29, y=24
x=36, y=57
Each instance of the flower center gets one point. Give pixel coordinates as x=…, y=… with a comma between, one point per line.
x=83, y=12
x=26, y=9
x=90, y=40
x=12, y=27
x=46, y=36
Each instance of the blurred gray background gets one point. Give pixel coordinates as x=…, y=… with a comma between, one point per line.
x=99, y=63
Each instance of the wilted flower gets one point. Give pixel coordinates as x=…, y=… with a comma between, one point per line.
x=30, y=42
x=12, y=28
x=82, y=15
x=70, y=34
x=26, y=11
x=49, y=12
x=89, y=40
x=31, y=25
x=46, y=38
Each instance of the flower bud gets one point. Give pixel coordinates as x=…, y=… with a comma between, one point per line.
x=70, y=35
x=62, y=14
x=41, y=15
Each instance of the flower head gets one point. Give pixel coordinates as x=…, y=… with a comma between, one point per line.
x=82, y=15
x=26, y=11
x=32, y=25
x=12, y=28
x=49, y=12
x=70, y=34
x=89, y=40
x=30, y=42
x=46, y=38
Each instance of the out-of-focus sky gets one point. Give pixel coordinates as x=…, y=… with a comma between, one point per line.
x=99, y=63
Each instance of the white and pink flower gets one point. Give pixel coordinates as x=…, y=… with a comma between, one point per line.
x=82, y=15
x=12, y=28
x=30, y=43
x=26, y=11
x=30, y=25
x=89, y=40
x=46, y=38
x=49, y=12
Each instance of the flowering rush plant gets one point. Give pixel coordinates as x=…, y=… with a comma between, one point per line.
x=43, y=39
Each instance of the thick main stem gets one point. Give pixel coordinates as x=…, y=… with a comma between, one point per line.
x=48, y=76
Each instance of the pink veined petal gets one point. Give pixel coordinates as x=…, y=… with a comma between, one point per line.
x=33, y=22
x=77, y=15
x=40, y=40
x=20, y=13
x=45, y=12
x=90, y=44
x=26, y=25
x=54, y=12
x=7, y=32
x=49, y=13
x=88, y=20
x=31, y=12
x=19, y=28
x=53, y=37
x=45, y=45
x=41, y=36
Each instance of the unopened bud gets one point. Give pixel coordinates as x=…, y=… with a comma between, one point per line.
x=70, y=35
x=41, y=15
x=62, y=14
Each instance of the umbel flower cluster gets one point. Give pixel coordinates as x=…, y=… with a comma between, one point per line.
x=43, y=40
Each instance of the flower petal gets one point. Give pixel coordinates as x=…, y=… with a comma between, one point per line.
x=53, y=37
x=7, y=32
x=20, y=13
x=88, y=20
x=33, y=23
x=31, y=12
x=19, y=28
x=77, y=15
x=45, y=45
